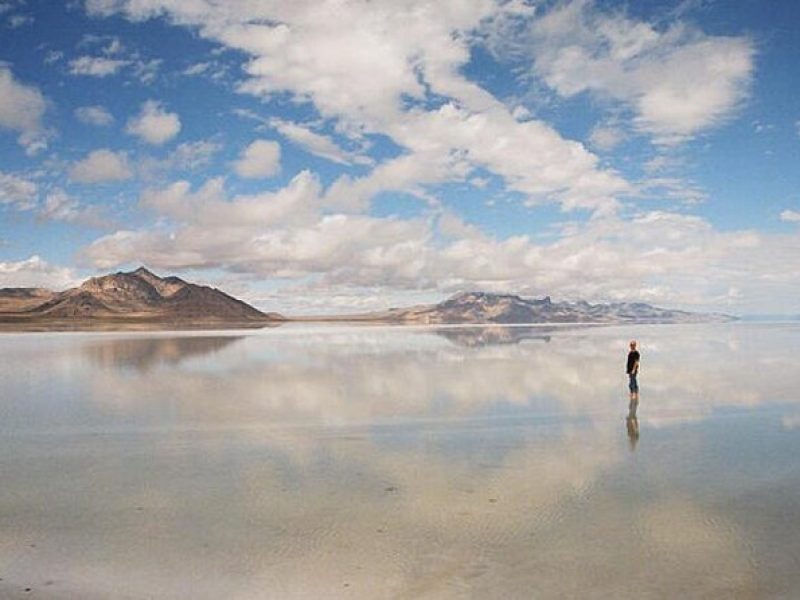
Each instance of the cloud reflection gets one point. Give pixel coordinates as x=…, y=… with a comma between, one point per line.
x=394, y=462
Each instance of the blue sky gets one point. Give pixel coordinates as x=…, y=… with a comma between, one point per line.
x=331, y=156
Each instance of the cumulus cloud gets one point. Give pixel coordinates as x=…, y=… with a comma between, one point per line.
x=101, y=166
x=373, y=68
x=96, y=66
x=448, y=143
x=282, y=234
x=94, y=115
x=790, y=216
x=396, y=70
x=260, y=159
x=657, y=256
x=678, y=81
x=154, y=124
x=21, y=109
x=35, y=272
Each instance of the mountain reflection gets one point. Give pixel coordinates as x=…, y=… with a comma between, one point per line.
x=360, y=376
x=143, y=354
x=472, y=337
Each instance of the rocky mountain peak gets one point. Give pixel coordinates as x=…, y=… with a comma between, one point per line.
x=475, y=297
x=144, y=272
x=165, y=286
x=137, y=295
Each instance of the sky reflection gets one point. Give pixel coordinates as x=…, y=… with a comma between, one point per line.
x=388, y=462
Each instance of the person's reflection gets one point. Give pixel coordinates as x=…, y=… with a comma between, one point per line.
x=632, y=423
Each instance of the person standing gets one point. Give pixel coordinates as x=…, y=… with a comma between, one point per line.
x=633, y=371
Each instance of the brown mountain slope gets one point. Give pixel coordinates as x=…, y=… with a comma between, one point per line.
x=20, y=299
x=134, y=296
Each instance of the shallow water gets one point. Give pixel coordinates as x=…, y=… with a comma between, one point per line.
x=367, y=462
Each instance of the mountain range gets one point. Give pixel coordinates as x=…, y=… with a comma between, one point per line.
x=482, y=307
x=136, y=296
x=142, y=297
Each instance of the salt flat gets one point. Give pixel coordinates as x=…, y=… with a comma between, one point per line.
x=392, y=462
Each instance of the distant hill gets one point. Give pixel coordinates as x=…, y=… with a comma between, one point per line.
x=141, y=297
x=18, y=299
x=482, y=307
x=136, y=296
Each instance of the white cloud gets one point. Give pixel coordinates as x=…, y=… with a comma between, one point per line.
x=672, y=188
x=101, y=166
x=154, y=124
x=370, y=68
x=21, y=109
x=193, y=155
x=262, y=158
x=35, y=272
x=790, y=216
x=283, y=234
x=114, y=46
x=106, y=44
x=197, y=68
x=23, y=194
x=94, y=115
x=396, y=69
x=17, y=191
x=213, y=69
x=447, y=144
x=146, y=71
x=188, y=156
x=318, y=144
x=677, y=81
x=658, y=257
x=15, y=21
x=661, y=162
x=96, y=66
x=53, y=56
x=606, y=137
x=109, y=57
x=480, y=182
x=296, y=204
x=60, y=206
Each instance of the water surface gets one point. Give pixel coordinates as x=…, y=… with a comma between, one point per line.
x=385, y=462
